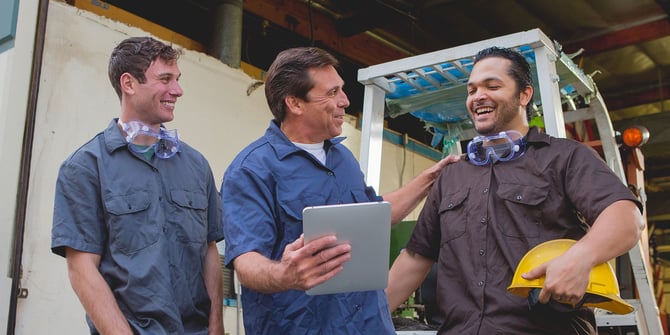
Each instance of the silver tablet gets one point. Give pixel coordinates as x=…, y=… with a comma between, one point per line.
x=367, y=227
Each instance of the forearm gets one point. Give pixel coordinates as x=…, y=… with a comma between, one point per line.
x=616, y=230
x=407, y=273
x=214, y=284
x=95, y=296
x=406, y=198
x=258, y=273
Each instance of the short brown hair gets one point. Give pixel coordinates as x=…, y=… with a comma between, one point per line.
x=289, y=76
x=134, y=55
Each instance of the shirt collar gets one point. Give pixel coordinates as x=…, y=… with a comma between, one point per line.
x=284, y=147
x=113, y=136
x=535, y=135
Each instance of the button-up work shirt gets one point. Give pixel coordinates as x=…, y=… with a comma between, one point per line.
x=479, y=221
x=264, y=192
x=150, y=221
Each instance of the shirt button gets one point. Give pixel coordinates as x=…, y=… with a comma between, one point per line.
x=481, y=252
x=519, y=197
x=330, y=173
x=483, y=220
x=358, y=308
x=451, y=205
x=480, y=284
x=486, y=190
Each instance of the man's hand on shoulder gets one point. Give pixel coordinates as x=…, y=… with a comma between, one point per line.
x=435, y=170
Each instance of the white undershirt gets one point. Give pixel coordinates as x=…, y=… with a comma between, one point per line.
x=316, y=149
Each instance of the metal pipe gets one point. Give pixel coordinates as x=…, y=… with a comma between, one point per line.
x=226, y=43
x=26, y=158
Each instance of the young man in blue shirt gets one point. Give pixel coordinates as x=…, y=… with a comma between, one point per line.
x=136, y=210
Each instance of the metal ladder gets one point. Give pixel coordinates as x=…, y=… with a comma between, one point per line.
x=447, y=69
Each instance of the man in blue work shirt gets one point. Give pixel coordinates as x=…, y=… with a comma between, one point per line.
x=301, y=162
x=136, y=210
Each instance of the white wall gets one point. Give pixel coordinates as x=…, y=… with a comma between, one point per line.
x=14, y=80
x=76, y=101
x=10, y=153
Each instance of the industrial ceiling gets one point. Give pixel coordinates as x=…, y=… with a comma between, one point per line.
x=623, y=44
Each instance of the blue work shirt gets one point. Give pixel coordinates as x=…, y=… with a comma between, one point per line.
x=264, y=192
x=150, y=221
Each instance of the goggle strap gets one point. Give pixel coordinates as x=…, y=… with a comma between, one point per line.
x=168, y=140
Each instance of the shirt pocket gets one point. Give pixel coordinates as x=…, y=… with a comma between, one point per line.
x=523, y=205
x=291, y=211
x=453, y=215
x=131, y=228
x=289, y=226
x=190, y=217
x=360, y=196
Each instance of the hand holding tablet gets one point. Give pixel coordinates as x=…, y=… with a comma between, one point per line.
x=367, y=228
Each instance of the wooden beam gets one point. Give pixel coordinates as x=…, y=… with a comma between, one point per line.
x=367, y=15
x=619, y=39
x=294, y=15
x=638, y=98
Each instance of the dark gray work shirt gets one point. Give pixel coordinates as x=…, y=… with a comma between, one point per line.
x=150, y=222
x=479, y=221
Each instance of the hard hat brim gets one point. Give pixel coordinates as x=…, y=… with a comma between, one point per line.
x=602, y=281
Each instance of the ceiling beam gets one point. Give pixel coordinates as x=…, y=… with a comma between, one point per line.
x=665, y=4
x=622, y=101
x=368, y=15
x=621, y=38
x=294, y=15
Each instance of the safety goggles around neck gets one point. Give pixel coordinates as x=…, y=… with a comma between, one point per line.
x=142, y=138
x=504, y=146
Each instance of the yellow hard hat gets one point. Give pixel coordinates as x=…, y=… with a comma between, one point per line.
x=602, y=291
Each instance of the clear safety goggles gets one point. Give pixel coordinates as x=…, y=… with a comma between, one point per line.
x=504, y=146
x=141, y=138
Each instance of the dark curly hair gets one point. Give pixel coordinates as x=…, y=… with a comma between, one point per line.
x=519, y=70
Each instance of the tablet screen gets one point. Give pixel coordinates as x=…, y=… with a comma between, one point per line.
x=367, y=227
